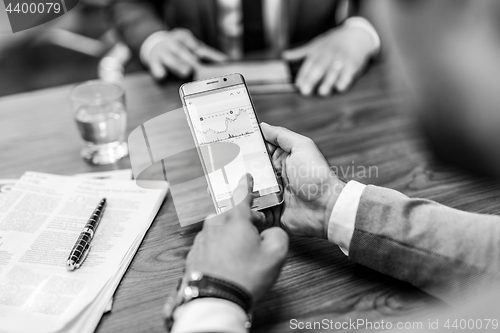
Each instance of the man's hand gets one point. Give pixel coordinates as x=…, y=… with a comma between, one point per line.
x=180, y=52
x=311, y=188
x=331, y=60
x=229, y=246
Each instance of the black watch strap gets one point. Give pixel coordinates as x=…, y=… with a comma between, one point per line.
x=197, y=285
x=209, y=286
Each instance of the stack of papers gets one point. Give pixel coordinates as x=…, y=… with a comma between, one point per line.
x=41, y=217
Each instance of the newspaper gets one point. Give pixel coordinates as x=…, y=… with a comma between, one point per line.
x=40, y=220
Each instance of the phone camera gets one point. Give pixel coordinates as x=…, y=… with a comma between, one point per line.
x=225, y=79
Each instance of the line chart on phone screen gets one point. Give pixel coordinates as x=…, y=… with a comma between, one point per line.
x=227, y=115
x=226, y=124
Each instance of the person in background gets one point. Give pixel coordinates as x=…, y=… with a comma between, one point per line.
x=178, y=35
x=451, y=254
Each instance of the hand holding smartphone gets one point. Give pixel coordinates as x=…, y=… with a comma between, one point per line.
x=220, y=110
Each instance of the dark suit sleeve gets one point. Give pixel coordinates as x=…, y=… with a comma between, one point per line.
x=354, y=8
x=135, y=20
x=448, y=253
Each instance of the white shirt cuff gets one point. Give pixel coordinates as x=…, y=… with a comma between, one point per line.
x=209, y=315
x=343, y=218
x=149, y=44
x=362, y=23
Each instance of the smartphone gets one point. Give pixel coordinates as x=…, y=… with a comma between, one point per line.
x=220, y=110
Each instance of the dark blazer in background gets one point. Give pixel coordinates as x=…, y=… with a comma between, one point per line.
x=137, y=19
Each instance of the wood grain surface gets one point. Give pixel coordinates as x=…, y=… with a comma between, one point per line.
x=367, y=127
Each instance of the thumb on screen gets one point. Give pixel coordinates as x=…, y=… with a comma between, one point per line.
x=242, y=193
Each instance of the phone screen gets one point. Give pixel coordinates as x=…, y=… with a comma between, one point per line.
x=227, y=115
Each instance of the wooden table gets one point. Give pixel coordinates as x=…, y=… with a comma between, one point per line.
x=366, y=127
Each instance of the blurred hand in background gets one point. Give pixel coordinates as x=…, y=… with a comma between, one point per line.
x=332, y=60
x=179, y=52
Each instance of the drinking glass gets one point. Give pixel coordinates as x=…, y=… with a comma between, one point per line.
x=99, y=109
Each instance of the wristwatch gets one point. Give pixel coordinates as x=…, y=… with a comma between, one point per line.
x=197, y=285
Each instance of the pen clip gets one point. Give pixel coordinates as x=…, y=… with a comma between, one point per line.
x=83, y=257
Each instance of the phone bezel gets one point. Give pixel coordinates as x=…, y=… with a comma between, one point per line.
x=207, y=85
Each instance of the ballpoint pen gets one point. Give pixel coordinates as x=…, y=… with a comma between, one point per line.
x=83, y=244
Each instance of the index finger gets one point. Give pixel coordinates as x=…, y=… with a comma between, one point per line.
x=201, y=49
x=206, y=52
x=283, y=138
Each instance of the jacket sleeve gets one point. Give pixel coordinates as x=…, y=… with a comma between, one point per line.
x=448, y=253
x=135, y=20
x=354, y=8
